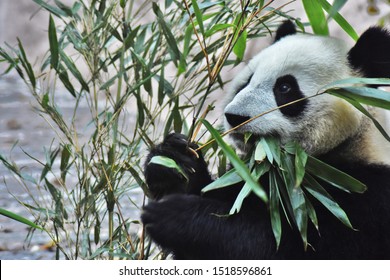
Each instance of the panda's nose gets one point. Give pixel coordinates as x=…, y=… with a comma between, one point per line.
x=235, y=120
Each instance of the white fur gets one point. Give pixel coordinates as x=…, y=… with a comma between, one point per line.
x=327, y=121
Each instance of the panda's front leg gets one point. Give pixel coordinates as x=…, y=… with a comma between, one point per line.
x=163, y=181
x=189, y=226
x=196, y=227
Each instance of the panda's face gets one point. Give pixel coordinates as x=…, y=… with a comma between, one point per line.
x=293, y=68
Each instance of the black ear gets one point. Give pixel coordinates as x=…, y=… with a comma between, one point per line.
x=285, y=29
x=371, y=53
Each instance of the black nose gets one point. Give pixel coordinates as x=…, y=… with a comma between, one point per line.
x=235, y=120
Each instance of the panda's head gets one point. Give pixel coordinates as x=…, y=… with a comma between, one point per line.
x=296, y=66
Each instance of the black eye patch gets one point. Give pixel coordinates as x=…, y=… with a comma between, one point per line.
x=244, y=85
x=286, y=90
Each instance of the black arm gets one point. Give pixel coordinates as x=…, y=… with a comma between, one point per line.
x=163, y=181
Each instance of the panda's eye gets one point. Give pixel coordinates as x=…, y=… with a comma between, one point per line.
x=284, y=88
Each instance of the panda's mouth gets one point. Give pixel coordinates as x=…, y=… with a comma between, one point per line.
x=245, y=138
x=246, y=141
x=243, y=141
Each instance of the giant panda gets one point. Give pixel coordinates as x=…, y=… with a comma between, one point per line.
x=193, y=225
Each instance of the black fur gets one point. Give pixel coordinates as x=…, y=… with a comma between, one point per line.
x=164, y=181
x=285, y=29
x=371, y=54
x=192, y=226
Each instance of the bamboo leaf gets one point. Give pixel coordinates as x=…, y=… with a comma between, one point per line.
x=259, y=171
x=274, y=205
x=229, y=178
x=333, y=12
x=245, y=191
x=26, y=64
x=334, y=176
x=65, y=156
x=260, y=153
x=316, y=17
x=365, y=95
x=295, y=195
x=53, y=43
x=311, y=212
x=272, y=149
x=64, y=77
x=54, y=10
x=167, y=33
x=218, y=27
x=73, y=69
x=19, y=218
x=236, y=162
x=198, y=15
x=335, y=8
x=356, y=81
x=317, y=191
x=169, y=163
x=300, y=164
x=358, y=106
x=240, y=46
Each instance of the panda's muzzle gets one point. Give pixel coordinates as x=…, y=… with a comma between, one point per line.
x=235, y=120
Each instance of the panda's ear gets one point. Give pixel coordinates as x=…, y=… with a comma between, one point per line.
x=371, y=53
x=285, y=29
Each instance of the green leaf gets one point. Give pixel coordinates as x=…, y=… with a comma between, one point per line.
x=26, y=64
x=317, y=191
x=333, y=13
x=298, y=204
x=240, y=46
x=334, y=176
x=260, y=153
x=53, y=43
x=274, y=205
x=295, y=195
x=187, y=40
x=356, y=81
x=259, y=171
x=245, y=191
x=311, y=212
x=18, y=218
x=167, y=33
x=358, y=106
x=198, y=15
x=218, y=27
x=161, y=91
x=335, y=8
x=58, y=12
x=169, y=163
x=229, y=178
x=177, y=119
x=65, y=156
x=64, y=77
x=272, y=149
x=73, y=69
x=316, y=17
x=369, y=96
x=300, y=164
x=242, y=170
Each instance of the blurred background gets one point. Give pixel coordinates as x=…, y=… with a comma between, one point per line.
x=20, y=124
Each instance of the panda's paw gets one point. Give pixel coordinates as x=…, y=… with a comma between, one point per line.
x=163, y=180
x=168, y=220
